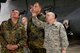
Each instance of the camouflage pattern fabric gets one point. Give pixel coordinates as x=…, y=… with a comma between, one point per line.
x=12, y=34
x=55, y=35
x=36, y=36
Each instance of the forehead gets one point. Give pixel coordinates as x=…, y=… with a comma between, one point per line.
x=15, y=11
x=36, y=4
x=24, y=18
x=50, y=13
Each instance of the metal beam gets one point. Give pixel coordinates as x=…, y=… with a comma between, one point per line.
x=3, y=1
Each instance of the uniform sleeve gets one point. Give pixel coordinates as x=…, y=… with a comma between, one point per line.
x=63, y=36
x=23, y=40
x=38, y=23
x=3, y=42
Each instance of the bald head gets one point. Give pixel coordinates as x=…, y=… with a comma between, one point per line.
x=50, y=17
x=24, y=20
x=51, y=13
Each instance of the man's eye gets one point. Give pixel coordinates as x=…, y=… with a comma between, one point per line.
x=16, y=12
x=47, y=15
x=35, y=6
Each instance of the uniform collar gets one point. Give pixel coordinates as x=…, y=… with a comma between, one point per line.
x=54, y=23
x=11, y=23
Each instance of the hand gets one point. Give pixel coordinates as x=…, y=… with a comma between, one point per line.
x=32, y=10
x=15, y=47
x=34, y=14
x=11, y=47
x=63, y=51
x=35, y=10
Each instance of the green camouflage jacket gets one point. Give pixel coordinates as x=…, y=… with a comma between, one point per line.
x=35, y=34
x=12, y=34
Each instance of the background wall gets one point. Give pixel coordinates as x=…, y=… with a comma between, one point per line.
x=8, y=6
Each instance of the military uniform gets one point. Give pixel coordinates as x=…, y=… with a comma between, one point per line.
x=55, y=35
x=36, y=36
x=12, y=34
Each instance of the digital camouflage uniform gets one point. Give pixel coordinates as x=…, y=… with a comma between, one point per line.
x=12, y=34
x=36, y=36
x=55, y=36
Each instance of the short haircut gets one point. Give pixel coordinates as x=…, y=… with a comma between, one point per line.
x=25, y=17
x=36, y=3
x=15, y=9
x=53, y=14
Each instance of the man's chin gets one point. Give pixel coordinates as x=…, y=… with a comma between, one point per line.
x=16, y=17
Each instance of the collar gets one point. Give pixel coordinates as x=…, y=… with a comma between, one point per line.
x=11, y=23
x=54, y=23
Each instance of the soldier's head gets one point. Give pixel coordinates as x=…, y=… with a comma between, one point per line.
x=36, y=7
x=14, y=13
x=24, y=20
x=50, y=17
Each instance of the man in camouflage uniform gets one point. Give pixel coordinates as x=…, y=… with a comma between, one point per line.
x=55, y=34
x=13, y=34
x=35, y=34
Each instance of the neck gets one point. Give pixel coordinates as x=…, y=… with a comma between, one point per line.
x=25, y=23
x=38, y=12
x=14, y=20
